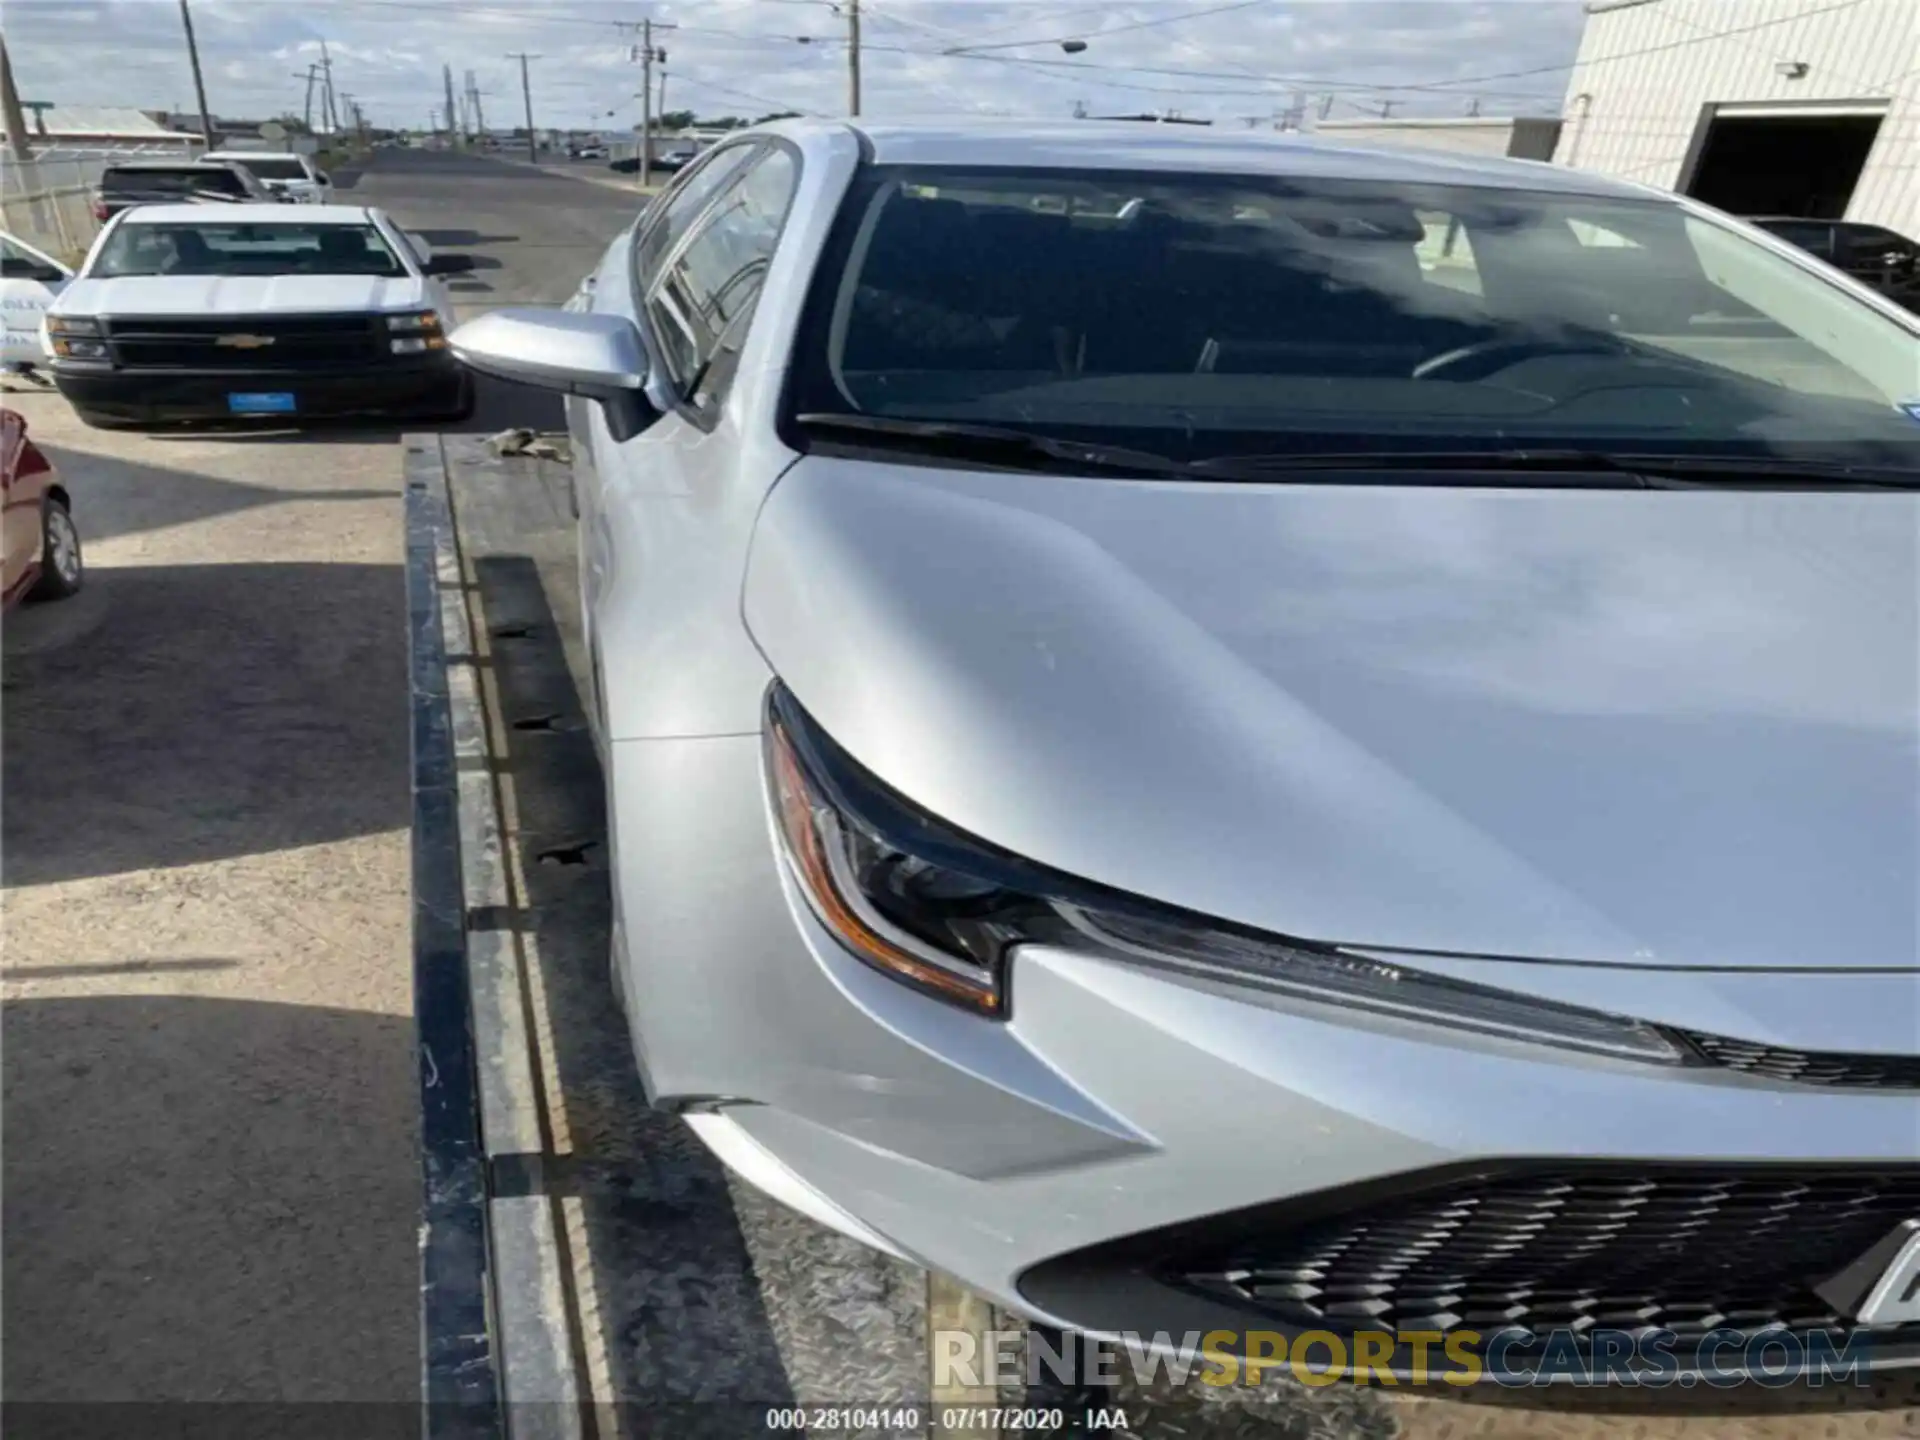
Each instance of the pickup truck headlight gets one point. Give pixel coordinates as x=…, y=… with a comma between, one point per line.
x=418, y=331
x=74, y=337
x=944, y=912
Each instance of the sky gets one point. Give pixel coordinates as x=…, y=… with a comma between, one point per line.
x=1231, y=61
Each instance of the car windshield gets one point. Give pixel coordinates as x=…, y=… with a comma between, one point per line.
x=1215, y=315
x=187, y=180
x=274, y=167
x=231, y=248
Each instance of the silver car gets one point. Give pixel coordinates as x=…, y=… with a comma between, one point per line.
x=1204, y=731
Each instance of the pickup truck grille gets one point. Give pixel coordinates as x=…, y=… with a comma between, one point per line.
x=299, y=342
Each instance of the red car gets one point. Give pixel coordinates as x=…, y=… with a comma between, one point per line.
x=42, y=559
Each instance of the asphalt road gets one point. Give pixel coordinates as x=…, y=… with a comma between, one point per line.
x=533, y=234
x=211, y=1184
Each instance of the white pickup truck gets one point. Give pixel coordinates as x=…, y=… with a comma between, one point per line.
x=288, y=176
x=209, y=312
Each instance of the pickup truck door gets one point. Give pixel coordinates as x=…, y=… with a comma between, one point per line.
x=28, y=282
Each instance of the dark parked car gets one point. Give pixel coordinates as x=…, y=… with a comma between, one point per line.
x=1873, y=254
x=662, y=164
x=151, y=182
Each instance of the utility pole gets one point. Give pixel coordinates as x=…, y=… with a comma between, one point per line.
x=453, y=120
x=15, y=117
x=308, y=76
x=1386, y=109
x=479, y=115
x=526, y=95
x=853, y=57
x=199, y=85
x=1326, y=106
x=331, y=109
x=648, y=55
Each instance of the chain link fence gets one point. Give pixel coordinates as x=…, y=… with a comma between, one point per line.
x=47, y=201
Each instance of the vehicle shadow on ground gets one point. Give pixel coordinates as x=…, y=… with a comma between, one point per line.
x=210, y=711
x=115, y=497
x=206, y=1199
x=461, y=239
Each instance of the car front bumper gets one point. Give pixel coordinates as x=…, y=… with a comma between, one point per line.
x=403, y=387
x=1111, y=1157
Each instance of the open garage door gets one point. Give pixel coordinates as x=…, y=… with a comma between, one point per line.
x=1788, y=162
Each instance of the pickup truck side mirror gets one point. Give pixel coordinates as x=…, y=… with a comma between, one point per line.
x=447, y=265
x=323, y=177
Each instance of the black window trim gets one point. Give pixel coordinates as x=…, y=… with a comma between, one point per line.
x=707, y=418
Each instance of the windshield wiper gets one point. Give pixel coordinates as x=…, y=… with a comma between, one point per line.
x=1544, y=468
x=994, y=442
x=1586, y=469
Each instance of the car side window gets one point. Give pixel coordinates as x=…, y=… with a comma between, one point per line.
x=681, y=206
x=699, y=306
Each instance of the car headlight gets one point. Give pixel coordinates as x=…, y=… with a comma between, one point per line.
x=944, y=912
x=72, y=325
x=414, y=321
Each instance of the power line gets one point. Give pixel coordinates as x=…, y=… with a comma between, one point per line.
x=744, y=95
x=1113, y=29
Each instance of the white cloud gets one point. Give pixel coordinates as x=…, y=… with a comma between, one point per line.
x=745, y=56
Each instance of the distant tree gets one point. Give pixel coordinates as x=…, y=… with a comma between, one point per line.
x=293, y=124
x=676, y=120
x=778, y=115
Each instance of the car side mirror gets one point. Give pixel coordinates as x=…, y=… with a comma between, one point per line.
x=447, y=265
x=597, y=357
x=323, y=177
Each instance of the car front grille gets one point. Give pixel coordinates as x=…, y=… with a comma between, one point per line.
x=300, y=342
x=1809, y=1067
x=1687, y=1249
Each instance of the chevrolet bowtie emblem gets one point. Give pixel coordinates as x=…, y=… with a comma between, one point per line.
x=245, y=342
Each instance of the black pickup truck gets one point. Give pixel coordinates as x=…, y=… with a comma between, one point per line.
x=151, y=182
x=1872, y=254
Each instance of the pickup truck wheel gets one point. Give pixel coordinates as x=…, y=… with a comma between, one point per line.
x=62, y=567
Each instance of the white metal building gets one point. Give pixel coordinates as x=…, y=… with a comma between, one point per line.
x=1523, y=139
x=1804, y=107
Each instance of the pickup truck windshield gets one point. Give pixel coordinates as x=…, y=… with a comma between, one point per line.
x=1206, y=315
x=198, y=248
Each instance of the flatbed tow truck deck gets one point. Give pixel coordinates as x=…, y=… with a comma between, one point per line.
x=589, y=1271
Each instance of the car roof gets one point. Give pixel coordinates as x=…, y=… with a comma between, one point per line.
x=1135, y=145
x=253, y=214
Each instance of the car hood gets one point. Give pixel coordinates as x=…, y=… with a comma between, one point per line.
x=1646, y=728
x=239, y=295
